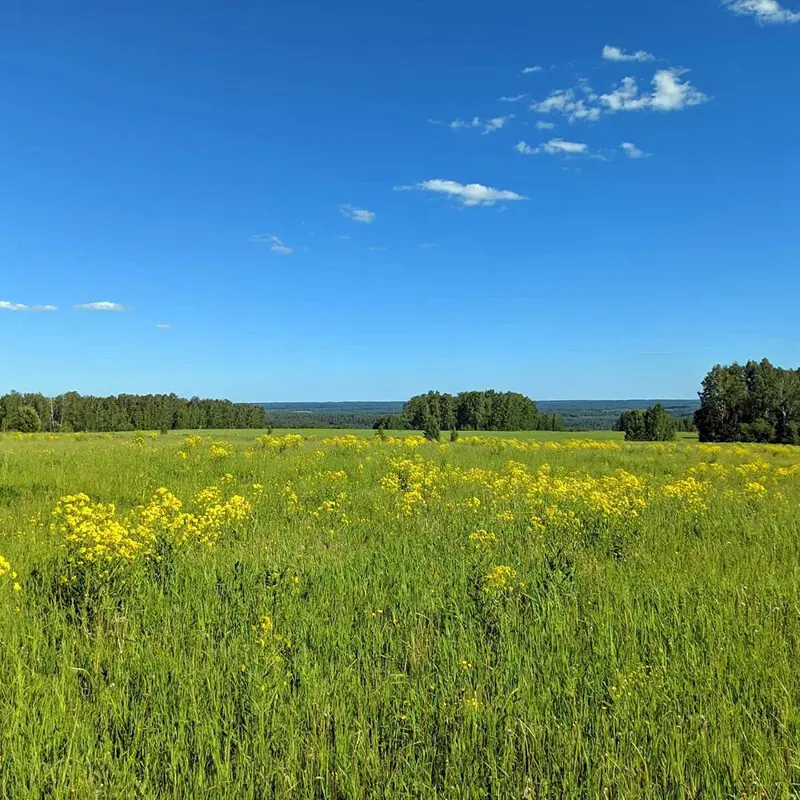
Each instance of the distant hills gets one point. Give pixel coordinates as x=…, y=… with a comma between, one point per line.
x=578, y=414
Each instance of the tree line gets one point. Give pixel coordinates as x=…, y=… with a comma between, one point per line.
x=125, y=412
x=471, y=411
x=754, y=402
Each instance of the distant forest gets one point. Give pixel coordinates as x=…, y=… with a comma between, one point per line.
x=126, y=412
x=75, y=412
x=603, y=415
x=578, y=415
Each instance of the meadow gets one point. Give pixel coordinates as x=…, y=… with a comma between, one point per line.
x=329, y=615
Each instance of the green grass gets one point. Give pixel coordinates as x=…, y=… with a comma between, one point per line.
x=650, y=653
x=544, y=436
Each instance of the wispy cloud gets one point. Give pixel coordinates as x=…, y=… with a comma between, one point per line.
x=343, y=238
x=102, y=305
x=632, y=151
x=531, y=70
x=569, y=104
x=487, y=125
x=514, y=99
x=163, y=326
x=544, y=126
x=669, y=93
x=496, y=123
x=768, y=12
x=276, y=245
x=7, y=305
x=554, y=147
x=427, y=245
x=616, y=54
x=470, y=194
x=377, y=248
x=358, y=214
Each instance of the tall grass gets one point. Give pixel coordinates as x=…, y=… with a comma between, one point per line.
x=348, y=643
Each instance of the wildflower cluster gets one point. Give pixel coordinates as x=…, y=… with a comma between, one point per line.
x=278, y=444
x=482, y=539
x=502, y=580
x=8, y=574
x=95, y=533
x=692, y=494
x=416, y=482
x=220, y=450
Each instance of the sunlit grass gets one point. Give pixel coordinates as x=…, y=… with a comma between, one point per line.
x=499, y=617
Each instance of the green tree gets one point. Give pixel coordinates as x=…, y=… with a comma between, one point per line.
x=24, y=419
x=755, y=402
x=431, y=428
x=633, y=425
x=658, y=424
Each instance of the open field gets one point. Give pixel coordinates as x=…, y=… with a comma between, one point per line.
x=537, y=616
x=246, y=436
x=542, y=436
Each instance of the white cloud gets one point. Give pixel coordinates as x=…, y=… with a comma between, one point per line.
x=163, y=326
x=616, y=54
x=343, y=238
x=428, y=245
x=358, y=214
x=673, y=95
x=531, y=70
x=7, y=305
x=559, y=146
x=276, y=245
x=566, y=102
x=488, y=125
x=103, y=305
x=765, y=11
x=377, y=248
x=553, y=147
x=544, y=126
x=670, y=93
x=470, y=194
x=457, y=124
x=626, y=97
x=515, y=99
x=496, y=123
x=632, y=151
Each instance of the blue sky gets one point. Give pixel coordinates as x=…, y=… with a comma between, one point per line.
x=330, y=201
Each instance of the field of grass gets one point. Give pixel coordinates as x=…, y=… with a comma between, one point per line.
x=541, y=436
x=250, y=616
